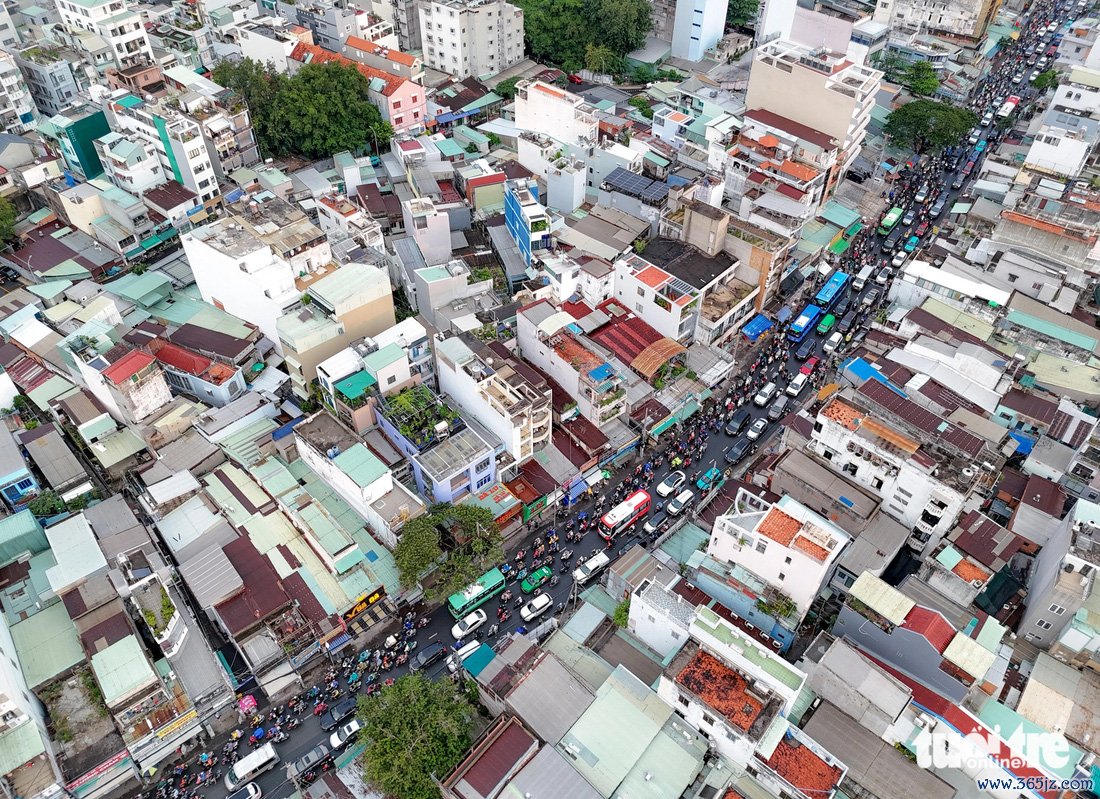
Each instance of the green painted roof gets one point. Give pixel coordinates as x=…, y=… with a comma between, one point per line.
x=741, y=643
x=949, y=557
x=361, y=465
x=356, y=385
x=468, y=133
x=242, y=446
x=839, y=214
x=21, y=533
x=98, y=427
x=19, y=746
x=51, y=389
x=449, y=148
x=481, y=102
x=1052, y=329
x=432, y=273
x=380, y=359
x=656, y=159
x=117, y=448
x=47, y=645
x=1009, y=723
x=49, y=290
x=121, y=669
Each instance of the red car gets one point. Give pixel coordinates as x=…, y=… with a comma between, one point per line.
x=922, y=228
x=809, y=366
x=576, y=79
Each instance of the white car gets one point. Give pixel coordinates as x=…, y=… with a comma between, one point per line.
x=899, y=259
x=671, y=484
x=764, y=395
x=757, y=429
x=536, y=607
x=344, y=735
x=682, y=500
x=833, y=343
x=467, y=625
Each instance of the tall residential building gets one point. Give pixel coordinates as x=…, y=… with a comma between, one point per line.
x=550, y=111
x=471, y=38
x=527, y=219
x=822, y=90
x=115, y=23
x=74, y=133
x=51, y=73
x=698, y=26
x=966, y=19
x=17, y=111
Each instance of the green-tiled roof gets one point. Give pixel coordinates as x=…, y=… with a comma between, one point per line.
x=449, y=148
x=19, y=746
x=380, y=359
x=361, y=465
x=121, y=669
x=47, y=645
x=356, y=385
x=471, y=135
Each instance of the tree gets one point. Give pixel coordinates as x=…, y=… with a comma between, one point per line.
x=258, y=85
x=921, y=79
x=8, y=216
x=641, y=102
x=559, y=31
x=599, y=58
x=46, y=504
x=379, y=133
x=622, y=24
x=418, y=549
x=507, y=88
x=893, y=65
x=1045, y=80
x=924, y=124
x=325, y=110
x=741, y=12
x=414, y=729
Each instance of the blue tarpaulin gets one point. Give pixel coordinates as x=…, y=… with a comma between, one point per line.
x=1024, y=443
x=784, y=314
x=757, y=327
x=577, y=489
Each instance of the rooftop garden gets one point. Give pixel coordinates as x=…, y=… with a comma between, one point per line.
x=415, y=412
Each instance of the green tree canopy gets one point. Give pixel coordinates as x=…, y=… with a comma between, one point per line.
x=741, y=12
x=1045, y=80
x=507, y=88
x=321, y=110
x=893, y=65
x=922, y=124
x=622, y=25
x=8, y=216
x=414, y=729
x=473, y=545
x=560, y=31
x=921, y=79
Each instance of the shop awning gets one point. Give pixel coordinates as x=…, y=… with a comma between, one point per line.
x=577, y=489
x=784, y=314
x=759, y=325
x=840, y=246
x=663, y=426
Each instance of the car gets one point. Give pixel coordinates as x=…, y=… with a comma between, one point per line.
x=910, y=215
x=986, y=119
x=832, y=344
x=922, y=228
x=249, y=791
x=757, y=428
x=892, y=240
x=655, y=522
x=966, y=170
x=736, y=451
x=842, y=306
x=1034, y=74
x=344, y=735
x=937, y=207
x=536, y=607
x=536, y=578
x=466, y=625
x=957, y=183
x=974, y=136
x=871, y=297
x=808, y=366
x=805, y=349
x=826, y=324
x=797, y=384
x=912, y=244
x=778, y=409
x=427, y=656
x=847, y=323
x=679, y=504
x=739, y=421
x=338, y=713
x=899, y=259
x=671, y=484
x=306, y=762
x=922, y=193
x=575, y=79
x=708, y=480
x=764, y=395
x=1018, y=78
x=883, y=276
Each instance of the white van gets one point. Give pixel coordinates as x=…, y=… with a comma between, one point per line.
x=590, y=568
x=765, y=395
x=798, y=382
x=458, y=657
x=861, y=279
x=536, y=607
x=251, y=766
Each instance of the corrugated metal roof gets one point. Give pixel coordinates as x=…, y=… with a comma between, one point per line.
x=884, y=600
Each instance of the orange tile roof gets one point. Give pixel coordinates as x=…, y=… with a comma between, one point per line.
x=970, y=571
x=890, y=435
x=799, y=171
x=127, y=366
x=768, y=140
x=815, y=551
x=653, y=277
x=804, y=769
x=315, y=54
x=722, y=689
x=843, y=414
x=779, y=526
x=389, y=53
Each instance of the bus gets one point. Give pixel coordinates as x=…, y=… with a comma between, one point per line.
x=833, y=291
x=891, y=219
x=476, y=594
x=804, y=323
x=1008, y=107
x=624, y=515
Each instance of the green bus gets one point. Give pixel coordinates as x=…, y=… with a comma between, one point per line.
x=826, y=324
x=476, y=594
x=890, y=220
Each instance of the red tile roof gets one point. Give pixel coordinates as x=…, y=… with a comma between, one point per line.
x=822, y=140
x=182, y=359
x=315, y=54
x=389, y=53
x=924, y=420
x=1044, y=495
x=803, y=768
x=931, y=625
x=722, y=689
x=127, y=366
x=494, y=762
x=779, y=526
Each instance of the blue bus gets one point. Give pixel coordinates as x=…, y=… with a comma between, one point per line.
x=804, y=324
x=833, y=291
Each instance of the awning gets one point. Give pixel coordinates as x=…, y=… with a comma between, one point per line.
x=338, y=643
x=663, y=426
x=840, y=246
x=827, y=391
x=577, y=489
x=759, y=325
x=443, y=119
x=784, y=314
x=134, y=252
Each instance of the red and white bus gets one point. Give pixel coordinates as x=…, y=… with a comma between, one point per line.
x=1009, y=106
x=624, y=515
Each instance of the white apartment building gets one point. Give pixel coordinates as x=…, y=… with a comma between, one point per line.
x=549, y=111
x=667, y=303
x=920, y=487
x=815, y=87
x=340, y=218
x=471, y=38
x=790, y=547
x=129, y=163
x=492, y=390
x=429, y=227
x=967, y=19
x=247, y=262
x=119, y=26
x=18, y=113
x=698, y=26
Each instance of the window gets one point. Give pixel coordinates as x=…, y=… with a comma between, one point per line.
x=1012, y=278
x=484, y=481
x=1057, y=610
x=483, y=465
x=877, y=482
x=782, y=576
x=761, y=546
x=683, y=700
x=1043, y=624
x=641, y=291
x=391, y=380
x=708, y=720
x=787, y=559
